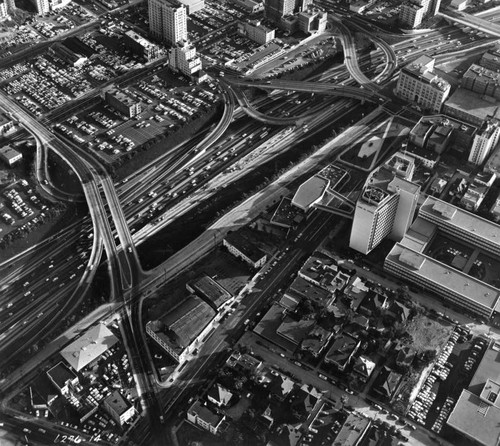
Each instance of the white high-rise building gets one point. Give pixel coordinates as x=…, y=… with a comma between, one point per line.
x=413, y=12
x=386, y=205
x=44, y=6
x=167, y=20
x=183, y=58
x=4, y=10
x=484, y=142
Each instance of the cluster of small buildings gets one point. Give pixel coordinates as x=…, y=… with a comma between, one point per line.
x=103, y=405
x=295, y=15
x=271, y=396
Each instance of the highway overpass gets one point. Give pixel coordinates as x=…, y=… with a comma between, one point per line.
x=359, y=93
x=472, y=21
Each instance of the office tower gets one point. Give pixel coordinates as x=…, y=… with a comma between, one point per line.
x=167, y=20
x=484, y=141
x=386, y=205
x=413, y=12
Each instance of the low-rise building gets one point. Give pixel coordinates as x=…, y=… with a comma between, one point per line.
x=459, y=5
x=244, y=361
x=440, y=138
x=482, y=81
x=118, y=407
x=310, y=192
x=354, y=429
x=6, y=123
x=342, y=351
x=437, y=186
x=360, y=6
x=390, y=381
x=417, y=83
x=421, y=131
x=250, y=6
x=219, y=395
x=469, y=107
x=425, y=157
x=491, y=59
x=364, y=367
x=240, y=246
x=473, y=197
x=63, y=378
x=180, y=331
x=476, y=415
x=462, y=224
x=89, y=347
x=201, y=415
x=316, y=341
x=140, y=45
x=210, y=291
x=123, y=102
x=10, y=156
x=256, y=32
x=495, y=210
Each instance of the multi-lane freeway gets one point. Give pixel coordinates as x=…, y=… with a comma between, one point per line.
x=117, y=215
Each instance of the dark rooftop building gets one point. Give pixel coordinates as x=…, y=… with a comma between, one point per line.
x=179, y=328
x=242, y=247
x=62, y=377
x=342, y=351
x=210, y=291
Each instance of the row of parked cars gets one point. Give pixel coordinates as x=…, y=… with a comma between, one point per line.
x=444, y=412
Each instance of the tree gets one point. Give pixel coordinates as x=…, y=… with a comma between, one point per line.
x=428, y=356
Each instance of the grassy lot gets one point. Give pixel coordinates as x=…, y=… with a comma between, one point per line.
x=427, y=334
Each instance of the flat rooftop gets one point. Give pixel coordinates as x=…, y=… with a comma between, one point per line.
x=430, y=269
x=471, y=103
x=286, y=215
x=483, y=74
x=462, y=220
x=333, y=173
x=470, y=417
x=210, y=291
x=310, y=191
x=419, y=235
x=188, y=319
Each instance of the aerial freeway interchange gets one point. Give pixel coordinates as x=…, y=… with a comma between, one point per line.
x=110, y=220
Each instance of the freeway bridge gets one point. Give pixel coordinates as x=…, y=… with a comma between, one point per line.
x=359, y=93
x=472, y=21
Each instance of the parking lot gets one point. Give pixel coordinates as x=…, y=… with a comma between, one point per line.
x=166, y=103
x=451, y=372
x=68, y=69
x=21, y=211
x=213, y=16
